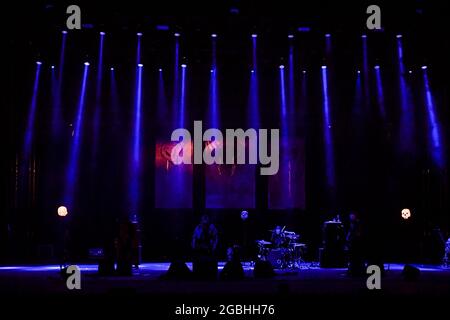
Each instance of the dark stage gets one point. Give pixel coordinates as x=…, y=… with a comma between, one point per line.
x=310, y=279
x=309, y=290
x=308, y=137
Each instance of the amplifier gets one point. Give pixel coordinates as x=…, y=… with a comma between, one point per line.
x=95, y=253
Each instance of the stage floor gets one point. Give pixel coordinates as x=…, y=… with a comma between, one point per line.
x=309, y=279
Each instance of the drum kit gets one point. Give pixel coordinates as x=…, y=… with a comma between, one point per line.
x=284, y=251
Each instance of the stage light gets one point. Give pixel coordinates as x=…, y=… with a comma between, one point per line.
x=53, y=67
x=133, y=182
x=304, y=29
x=327, y=134
x=212, y=70
x=64, y=32
x=252, y=71
x=304, y=71
x=283, y=100
x=380, y=93
x=176, y=34
x=327, y=35
x=435, y=143
x=160, y=70
x=406, y=214
x=73, y=164
x=62, y=211
x=86, y=63
x=162, y=27
x=29, y=133
x=359, y=71
x=410, y=71
x=183, y=65
x=244, y=215
x=399, y=36
x=254, y=35
x=112, y=69
x=364, y=36
x=139, y=34
x=291, y=36
x=97, y=114
x=214, y=35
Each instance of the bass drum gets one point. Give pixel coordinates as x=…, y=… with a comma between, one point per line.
x=277, y=257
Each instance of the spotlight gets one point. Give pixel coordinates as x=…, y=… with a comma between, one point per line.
x=399, y=36
x=327, y=35
x=304, y=29
x=377, y=67
x=86, y=63
x=254, y=35
x=212, y=70
x=64, y=32
x=304, y=71
x=112, y=69
x=102, y=33
x=364, y=36
x=214, y=35
x=162, y=27
x=176, y=34
x=38, y=62
x=160, y=70
x=139, y=34
x=183, y=65
x=424, y=67
x=410, y=71
x=252, y=71
x=290, y=36
x=324, y=67
x=359, y=71
x=62, y=211
x=140, y=65
x=281, y=67
x=53, y=67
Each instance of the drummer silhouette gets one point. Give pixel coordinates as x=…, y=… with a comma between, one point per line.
x=278, y=237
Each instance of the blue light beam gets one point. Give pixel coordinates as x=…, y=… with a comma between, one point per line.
x=327, y=127
x=72, y=169
x=435, y=143
x=31, y=115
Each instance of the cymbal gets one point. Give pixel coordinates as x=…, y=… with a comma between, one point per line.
x=298, y=244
